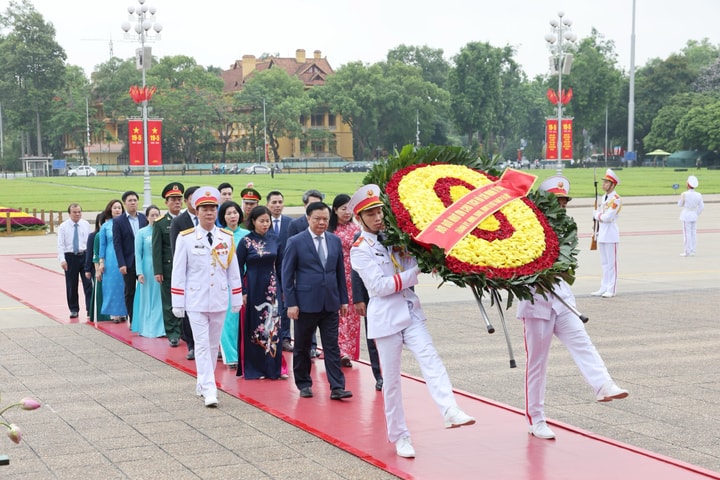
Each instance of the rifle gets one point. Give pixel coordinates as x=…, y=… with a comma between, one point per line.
x=593, y=240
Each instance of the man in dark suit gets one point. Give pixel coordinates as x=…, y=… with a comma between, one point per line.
x=298, y=225
x=187, y=219
x=279, y=226
x=162, y=257
x=124, y=229
x=313, y=282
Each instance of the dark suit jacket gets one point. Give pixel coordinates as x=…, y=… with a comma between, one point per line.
x=285, y=222
x=305, y=283
x=124, y=239
x=178, y=224
x=298, y=225
x=161, y=251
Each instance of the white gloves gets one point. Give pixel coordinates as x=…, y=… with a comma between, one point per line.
x=235, y=309
x=178, y=312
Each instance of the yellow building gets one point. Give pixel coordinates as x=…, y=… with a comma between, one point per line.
x=334, y=137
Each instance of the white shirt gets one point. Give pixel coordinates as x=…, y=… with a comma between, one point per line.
x=65, y=237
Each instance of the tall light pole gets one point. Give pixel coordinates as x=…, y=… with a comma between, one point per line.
x=561, y=62
x=146, y=30
x=631, y=100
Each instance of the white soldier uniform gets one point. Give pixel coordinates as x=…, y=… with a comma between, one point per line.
x=395, y=318
x=692, y=206
x=205, y=272
x=544, y=317
x=608, y=237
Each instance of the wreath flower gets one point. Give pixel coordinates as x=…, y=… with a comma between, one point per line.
x=525, y=246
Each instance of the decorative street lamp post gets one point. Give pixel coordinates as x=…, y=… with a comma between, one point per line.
x=561, y=62
x=146, y=30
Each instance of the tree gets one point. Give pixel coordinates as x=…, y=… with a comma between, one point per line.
x=596, y=83
x=353, y=93
x=186, y=97
x=699, y=128
x=33, y=66
x=476, y=84
x=430, y=61
x=285, y=101
x=663, y=132
x=68, y=116
x=655, y=84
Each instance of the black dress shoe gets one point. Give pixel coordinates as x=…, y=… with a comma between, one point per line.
x=287, y=345
x=379, y=385
x=314, y=353
x=339, y=394
x=190, y=355
x=306, y=392
x=73, y=314
x=174, y=342
x=345, y=361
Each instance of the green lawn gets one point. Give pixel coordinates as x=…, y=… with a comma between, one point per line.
x=93, y=193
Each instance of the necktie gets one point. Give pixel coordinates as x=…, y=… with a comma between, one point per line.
x=209, y=237
x=195, y=221
x=381, y=237
x=321, y=251
x=76, y=240
x=276, y=226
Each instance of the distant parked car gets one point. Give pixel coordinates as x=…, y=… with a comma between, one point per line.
x=253, y=169
x=82, y=171
x=356, y=167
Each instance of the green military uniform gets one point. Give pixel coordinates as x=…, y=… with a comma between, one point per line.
x=163, y=260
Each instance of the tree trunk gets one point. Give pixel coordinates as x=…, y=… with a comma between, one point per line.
x=39, y=135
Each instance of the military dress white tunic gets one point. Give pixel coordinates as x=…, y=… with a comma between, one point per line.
x=692, y=206
x=608, y=237
x=394, y=318
x=203, y=274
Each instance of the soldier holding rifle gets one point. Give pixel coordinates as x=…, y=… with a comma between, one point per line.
x=608, y=235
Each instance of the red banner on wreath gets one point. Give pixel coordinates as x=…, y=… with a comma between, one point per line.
x=135, y=142
x=466, y=213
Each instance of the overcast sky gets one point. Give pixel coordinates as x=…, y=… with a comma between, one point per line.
x=219, y=32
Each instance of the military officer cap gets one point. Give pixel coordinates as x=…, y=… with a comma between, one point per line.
x=206, y=196
x=174, y=189
x=692, y=181
x=367, y=196
x=558, y=185
x=611, y=177
x=249, y=194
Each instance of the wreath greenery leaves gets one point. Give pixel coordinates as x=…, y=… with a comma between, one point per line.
x=433, y=260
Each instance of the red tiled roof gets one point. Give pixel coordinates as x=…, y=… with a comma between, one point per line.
x=312, y=72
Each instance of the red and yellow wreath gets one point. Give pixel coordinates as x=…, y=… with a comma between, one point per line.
x=514, y=248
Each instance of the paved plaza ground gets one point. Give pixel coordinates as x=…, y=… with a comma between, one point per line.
x=660, y=338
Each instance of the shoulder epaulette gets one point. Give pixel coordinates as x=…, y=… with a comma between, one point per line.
x=189, y=230
x=225, y=230
x=358, y=241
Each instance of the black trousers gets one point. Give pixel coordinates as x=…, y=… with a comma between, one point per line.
x=76, y=264
x=305, y=326
x=130, y=279
x=373, y=354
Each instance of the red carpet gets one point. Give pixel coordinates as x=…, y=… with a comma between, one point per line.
x=497, y=446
